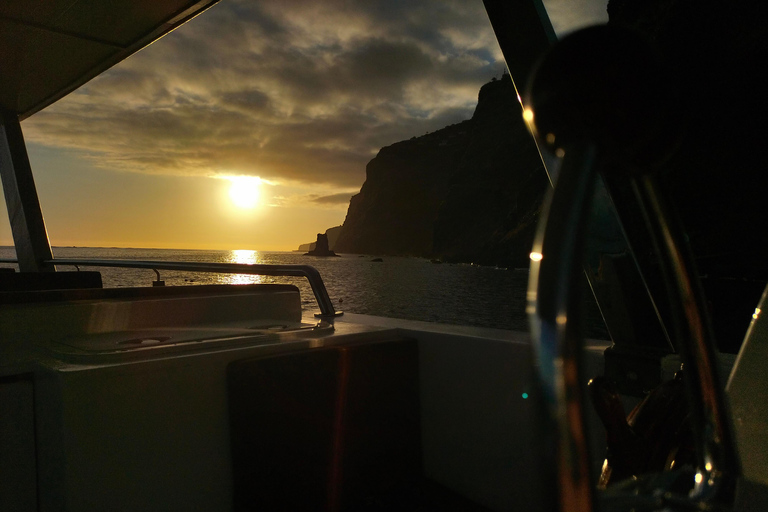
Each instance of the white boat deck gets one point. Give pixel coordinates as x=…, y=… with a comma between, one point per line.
x=145, y=425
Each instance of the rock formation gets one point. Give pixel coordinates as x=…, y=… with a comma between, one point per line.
x=321, y=247
x=331, y=233
x=468, y=192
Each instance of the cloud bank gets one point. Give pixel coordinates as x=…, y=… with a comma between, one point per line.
x=299, y=92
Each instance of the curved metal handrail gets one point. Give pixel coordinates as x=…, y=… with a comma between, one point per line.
x=311, y=273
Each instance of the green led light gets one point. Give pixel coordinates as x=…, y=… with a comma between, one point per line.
x=525, y=395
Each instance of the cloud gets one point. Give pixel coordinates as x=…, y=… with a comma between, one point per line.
x=300, y=91
x=333, y=199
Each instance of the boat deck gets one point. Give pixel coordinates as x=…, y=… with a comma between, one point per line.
x=131, y=404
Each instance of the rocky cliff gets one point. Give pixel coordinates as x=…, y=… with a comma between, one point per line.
x=468, y=192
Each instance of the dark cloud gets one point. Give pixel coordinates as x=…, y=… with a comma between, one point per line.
x=333, y=199
x=300, y=91
x=248, y=100
x=378, y=67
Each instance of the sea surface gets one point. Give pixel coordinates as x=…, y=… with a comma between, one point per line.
x=410, y=288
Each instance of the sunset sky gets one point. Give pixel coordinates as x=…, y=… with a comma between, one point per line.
x=300, y=94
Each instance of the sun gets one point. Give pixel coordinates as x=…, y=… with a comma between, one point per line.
x=245, y=191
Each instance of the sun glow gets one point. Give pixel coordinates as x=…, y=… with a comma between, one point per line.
x=245, y=191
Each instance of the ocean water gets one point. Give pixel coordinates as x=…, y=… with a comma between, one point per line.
x=410, y=288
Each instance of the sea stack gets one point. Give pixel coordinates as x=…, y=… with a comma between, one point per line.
x=321, y=247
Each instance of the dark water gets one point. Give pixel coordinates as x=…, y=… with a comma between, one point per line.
x=410, y=288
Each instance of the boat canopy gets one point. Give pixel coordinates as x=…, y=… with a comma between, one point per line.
x=48, y=49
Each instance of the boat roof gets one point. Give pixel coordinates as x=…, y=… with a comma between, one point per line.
x=50, y=48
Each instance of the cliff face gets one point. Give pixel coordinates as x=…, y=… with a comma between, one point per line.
x=469, y=192
x=405, y=184
x=490, y=212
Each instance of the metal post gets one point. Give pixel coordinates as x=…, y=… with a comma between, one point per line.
x=27, y=224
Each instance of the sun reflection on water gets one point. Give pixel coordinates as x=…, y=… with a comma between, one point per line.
x=247, y=257
x=244, y=256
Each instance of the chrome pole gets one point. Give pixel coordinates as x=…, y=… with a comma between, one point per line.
x=554, y=296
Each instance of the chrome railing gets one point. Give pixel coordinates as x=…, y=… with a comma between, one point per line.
x=311, y=273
